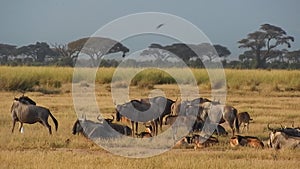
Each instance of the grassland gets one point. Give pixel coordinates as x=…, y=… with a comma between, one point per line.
x=269, y=96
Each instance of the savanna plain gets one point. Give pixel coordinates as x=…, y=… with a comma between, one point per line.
x=270, y=96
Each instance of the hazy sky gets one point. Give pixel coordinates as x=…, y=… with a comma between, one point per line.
x=224, y=21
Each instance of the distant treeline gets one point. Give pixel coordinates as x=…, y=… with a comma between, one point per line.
x=264, y=49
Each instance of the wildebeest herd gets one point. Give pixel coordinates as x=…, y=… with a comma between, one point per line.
x=202, y=117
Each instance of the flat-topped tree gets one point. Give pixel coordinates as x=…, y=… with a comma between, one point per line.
x=263, y=44
x=96, y=47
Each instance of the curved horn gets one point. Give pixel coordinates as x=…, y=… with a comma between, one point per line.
x=113, y=117
x=99, y=118
x=269, y=128
x=83, y=116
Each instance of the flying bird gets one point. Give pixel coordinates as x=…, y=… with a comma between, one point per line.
x=160, y=25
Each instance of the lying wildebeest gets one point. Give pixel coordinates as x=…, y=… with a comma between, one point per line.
x=201, y=141
x=101, y=129
x=249, y=141
x=244, y=118
x=108, y=120
x=282, y=138
x=123, y=129
x=92, y=130
x=138, y=111
x=164, y=107
x=28, y=113
x=219, y=114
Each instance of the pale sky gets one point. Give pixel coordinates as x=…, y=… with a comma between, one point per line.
x=223, y=22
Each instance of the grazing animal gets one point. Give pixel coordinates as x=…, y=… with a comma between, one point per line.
x=138, y=111
x=28, y=113
x=249, y=141
x=284, y=138
x=184, y=123
x=220, y=131
x=199, y=100
x=164, y=107
x=244, y=118
x=219, y=114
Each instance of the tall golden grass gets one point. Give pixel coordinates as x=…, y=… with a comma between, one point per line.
x=37, y=149
x=28, y=78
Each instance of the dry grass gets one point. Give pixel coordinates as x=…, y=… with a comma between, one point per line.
x=36, y=149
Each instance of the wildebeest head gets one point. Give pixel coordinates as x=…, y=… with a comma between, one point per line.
x=77, y=128
x=118, y=114
x=25, y=100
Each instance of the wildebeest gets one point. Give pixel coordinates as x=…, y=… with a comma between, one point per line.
x=282, y=138
x=101, y=129
x=138, y=111
x=182, y=122
x=91, y=129
x=26, y=100
x=219, y=114
x=164, y=107
x=123, y=129
x=218, y=129
x=28, y=113
x=244, y=118
x=249, y=141
x=202, y=141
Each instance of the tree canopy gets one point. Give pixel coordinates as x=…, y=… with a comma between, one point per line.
x=263, y=45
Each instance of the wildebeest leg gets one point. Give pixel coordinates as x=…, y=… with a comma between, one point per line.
x=21, y=125
x=132, y=128
x=156, y=126
x=136, y=127
x=13, y=127
x=232, y=127
x=46, y=124
x=247, y=126
x=160, y=123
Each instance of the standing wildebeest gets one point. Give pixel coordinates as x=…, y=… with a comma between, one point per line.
x=164, y=107
x=219, y=114
x=28, y=113
x=281, y=138
x=246, y=141
x=25, y=100
x=244, y=118
x=138, y=111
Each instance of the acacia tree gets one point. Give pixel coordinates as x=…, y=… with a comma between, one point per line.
x=94, y=47
x=264, y=43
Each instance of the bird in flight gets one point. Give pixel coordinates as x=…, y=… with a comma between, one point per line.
x=160, y=25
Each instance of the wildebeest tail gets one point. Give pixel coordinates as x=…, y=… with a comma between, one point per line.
x=54, y=120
